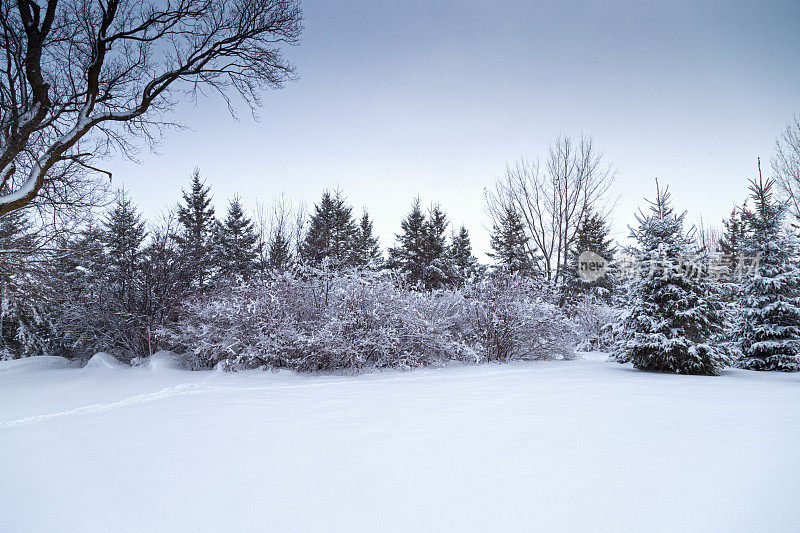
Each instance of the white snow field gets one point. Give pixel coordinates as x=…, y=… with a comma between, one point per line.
x=548, y=446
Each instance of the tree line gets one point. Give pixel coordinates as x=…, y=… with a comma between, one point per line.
x=118, y=284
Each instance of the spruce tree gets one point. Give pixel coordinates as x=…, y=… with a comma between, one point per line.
x=107, y=296
x=235, y=245
x=673, y=313
x=440, y=268
x=162, y=274
x=770, y=335
x=331, y=233
x=25, y=289
x=123, y=236
x=593, y=235
x=730, y=250
x=509, y=242
x=279, y=255
x=409, y=254
x=86, y=300
x=83, y=262
x=466, y=265
x=422, y=252
x=367, y=251
x=733, y=236
x=196, y=216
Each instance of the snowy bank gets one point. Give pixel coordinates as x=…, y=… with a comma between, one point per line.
x=104, y=361
x=32, y=364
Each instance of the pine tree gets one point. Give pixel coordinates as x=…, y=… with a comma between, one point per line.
x=17, y=245
x=730, y=250
x=107, y=291
x=367, y=251
x=770, y=336
x=421, y=251
x=409, y=254
x=235, y=243
x=196, y=216
x=82, y=288
x=25, y=292
x=331, y=232
x=279, y=255
x=83, y=263
x=509, y=243
x=460, y=252
x=673, y=312
x=440, y=268
x=162, y=275
x=733, y=235
x=593, y=235
x=85, y=294
x=123, y=236
x=119, y=323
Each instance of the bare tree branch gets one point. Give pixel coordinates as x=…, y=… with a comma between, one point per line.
x=81, y=78
x=786, y=165
x=552, y=201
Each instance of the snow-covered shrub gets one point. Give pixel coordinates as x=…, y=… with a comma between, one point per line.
x=313, y=322
x=515, y=318
x=353, y=320
x=243, y=325
x=370, y=321
x=593, y=322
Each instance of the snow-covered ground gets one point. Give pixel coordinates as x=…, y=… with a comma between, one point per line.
x=582, y=445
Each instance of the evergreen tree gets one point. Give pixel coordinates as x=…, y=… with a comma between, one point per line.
x=162, y=275
x=733, y=236
x=674, y=314
x=25, y=289
x=279, y=255
x=409, y=254
x=196, y=216
x=18, y=245
x=730, y=249
x=236, y=243
x=119, y=323
x=422, y=252
x=593, y=235
x=440, y=268
x=84, y=292
x=331, y=232
x=106, y=295
x=83, y=265
x=465, y=263
x=770, y=336
x=367, y=251
x=123, y=236
x=509, y=243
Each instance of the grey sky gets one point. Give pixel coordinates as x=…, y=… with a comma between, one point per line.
x=398, y=99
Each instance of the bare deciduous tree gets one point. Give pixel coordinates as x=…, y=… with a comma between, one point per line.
x=707, y=236
x=80, y=78
x=280, y=230
x=552, y=198
x=786, y=164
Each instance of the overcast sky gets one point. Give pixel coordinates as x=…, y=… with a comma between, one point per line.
x=432, y=98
